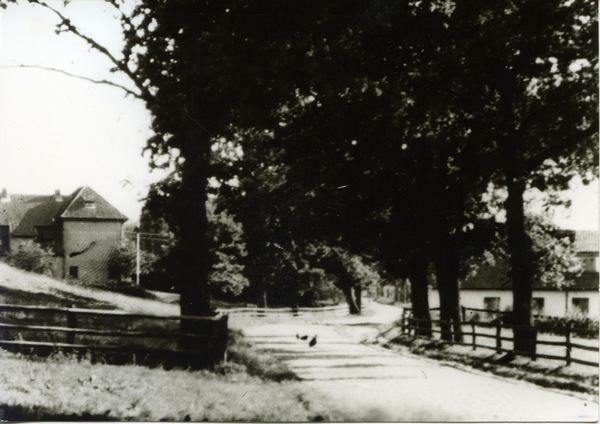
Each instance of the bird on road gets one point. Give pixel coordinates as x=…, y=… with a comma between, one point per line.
x=301, y=337
x=313, y=341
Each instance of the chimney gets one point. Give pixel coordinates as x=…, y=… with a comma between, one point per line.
x=89, y=203
x=4, y=197
x=57, y=196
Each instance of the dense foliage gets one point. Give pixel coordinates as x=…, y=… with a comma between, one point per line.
x=30, y=256
x=363, y=129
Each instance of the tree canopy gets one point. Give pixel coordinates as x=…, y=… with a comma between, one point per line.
x=370, y=128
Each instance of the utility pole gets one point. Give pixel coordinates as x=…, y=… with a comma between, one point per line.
x=137, y=260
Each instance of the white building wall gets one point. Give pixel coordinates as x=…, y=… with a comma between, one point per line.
x=593, y=299
x=556, y=302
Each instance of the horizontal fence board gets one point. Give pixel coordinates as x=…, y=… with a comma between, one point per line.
x=120, y=349
x=283, y=311
x=104, y=313
x=551, y=343
x=489, y=336
x=486, y=311
x=103, y=333
x=554, y=357
x=583, y=347
x=582, y=362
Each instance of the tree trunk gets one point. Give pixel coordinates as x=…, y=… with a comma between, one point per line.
x=192, y=233
x=519, y=243
x=522, y=266
x=420, y=301
x=358, y=297
x=348, y=293
x=446, y=269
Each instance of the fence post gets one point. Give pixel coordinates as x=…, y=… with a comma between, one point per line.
x=71, y=323
x=473, y=334
x=534, y=332
x=568, y=342
x=464, y=313
x=498, y=334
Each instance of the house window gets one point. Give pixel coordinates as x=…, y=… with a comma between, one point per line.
x=74, y=272
x=589, y=264
x=491, y=304
x=581, y=304
x=537, y=305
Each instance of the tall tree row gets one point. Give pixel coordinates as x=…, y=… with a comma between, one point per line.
x=373, y=127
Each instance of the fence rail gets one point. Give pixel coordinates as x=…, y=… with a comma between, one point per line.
x=261, y=312
x=98, y=330
x=410, y=324
x=119, y=331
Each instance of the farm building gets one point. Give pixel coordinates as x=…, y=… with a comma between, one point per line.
x=82, y=229
x=491, y=288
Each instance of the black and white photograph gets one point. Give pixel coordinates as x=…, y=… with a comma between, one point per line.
x=299, y=211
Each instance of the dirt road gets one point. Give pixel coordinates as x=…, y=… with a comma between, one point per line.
x=369, y=383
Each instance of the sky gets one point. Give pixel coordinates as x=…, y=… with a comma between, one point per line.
x=59, y=132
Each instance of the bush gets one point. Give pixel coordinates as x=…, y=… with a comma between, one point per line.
x=122, y=261
x=580, y=325
x=30, y=256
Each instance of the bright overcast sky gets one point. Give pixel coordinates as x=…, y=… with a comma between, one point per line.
x=58, y=132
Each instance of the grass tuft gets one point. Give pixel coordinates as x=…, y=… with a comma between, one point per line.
x=257, y=364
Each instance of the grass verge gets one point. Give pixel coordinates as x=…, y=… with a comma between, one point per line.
x=570, y=378
x=249, y=387
x=25, y=288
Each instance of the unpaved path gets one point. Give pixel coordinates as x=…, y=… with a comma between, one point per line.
x=365, y=382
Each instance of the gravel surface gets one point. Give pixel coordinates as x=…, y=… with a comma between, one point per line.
x=365, y=382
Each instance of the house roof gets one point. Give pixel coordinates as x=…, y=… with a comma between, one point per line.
x=24, y=212
x=497, y=277
x=586, y=241
x=78, y=207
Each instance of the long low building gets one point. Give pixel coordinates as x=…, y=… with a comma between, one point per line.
x=491, y=287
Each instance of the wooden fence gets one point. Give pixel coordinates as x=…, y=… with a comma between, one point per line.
x=111, y=331
x=409, y=325
x=275, y=312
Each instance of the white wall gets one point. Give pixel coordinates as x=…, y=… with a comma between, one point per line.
x=554, y=300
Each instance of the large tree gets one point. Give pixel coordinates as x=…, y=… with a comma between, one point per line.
x=536, y=70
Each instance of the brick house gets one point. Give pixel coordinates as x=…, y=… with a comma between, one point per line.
x=491, y=288
x=82, y=229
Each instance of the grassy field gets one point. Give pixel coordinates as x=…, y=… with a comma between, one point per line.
x=61, y=388
x=249, y=387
